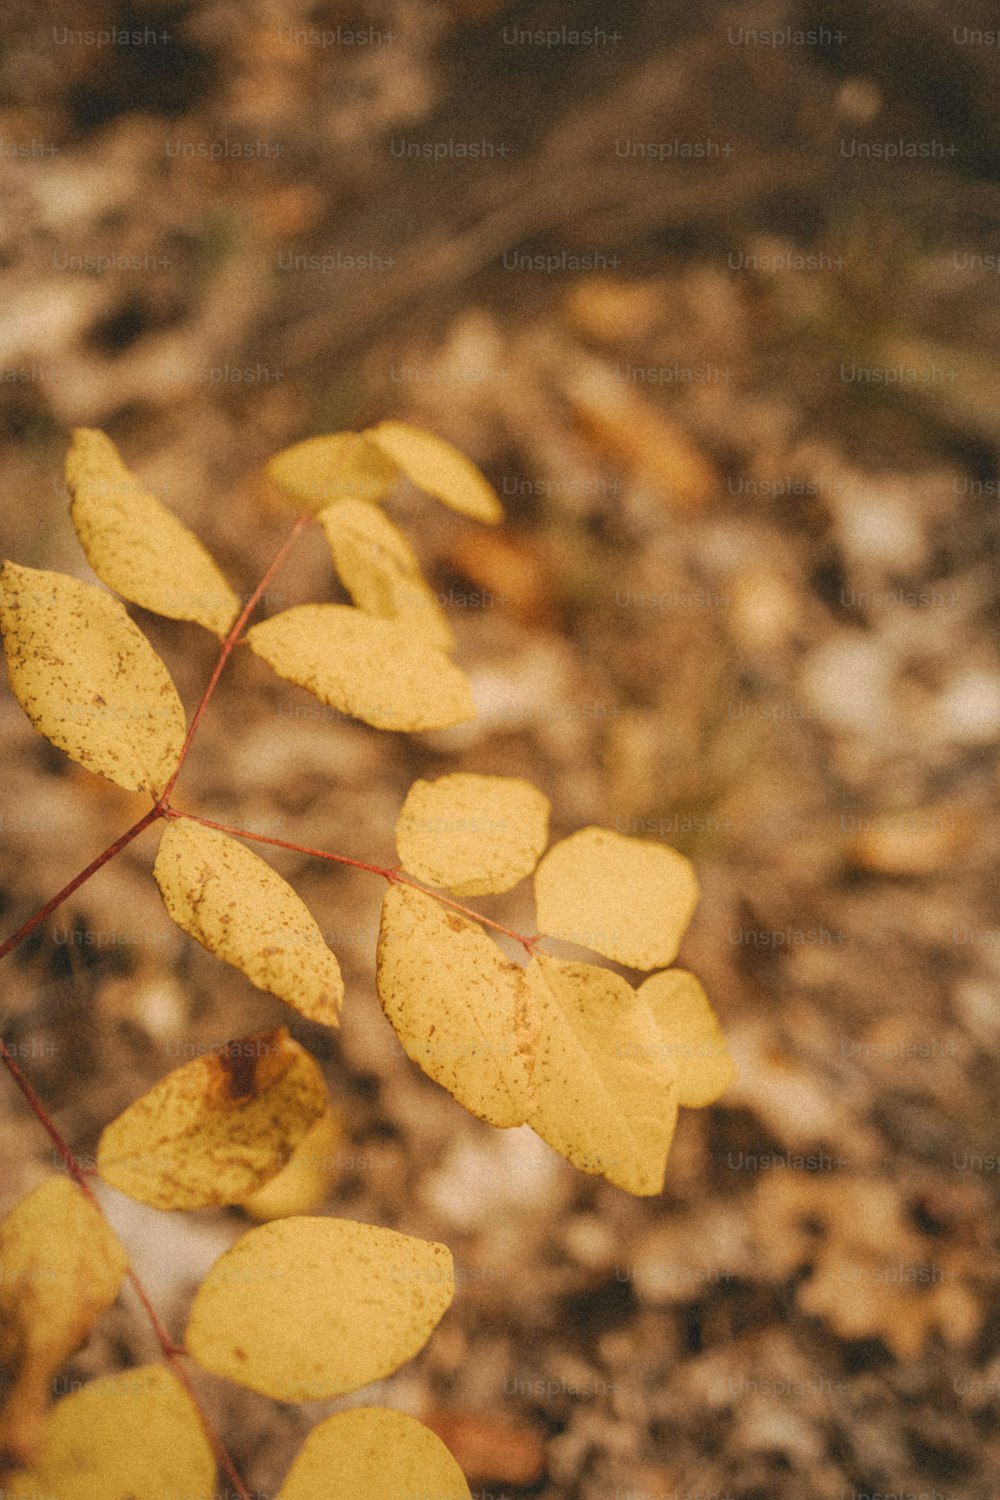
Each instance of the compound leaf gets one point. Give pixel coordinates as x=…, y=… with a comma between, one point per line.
x=339, y=466
x=375, y=670
x=138, y=547
x=439, y=468
x=305, y=1308
x=462, y=1011
x=626, y=898
x=690, y=1036
x=607, y=1097
x=240, y=909
x=88, y=679
x=218, y=1128
x=130, y=1436
x=472, y=834
x=60, y=1269
x=377, y=1453
x=380, y=571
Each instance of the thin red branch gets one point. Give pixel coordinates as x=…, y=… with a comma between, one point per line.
x=228, y=644
x=393, y=875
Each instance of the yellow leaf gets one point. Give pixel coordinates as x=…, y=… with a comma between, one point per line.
x=690, y=1036
x=88, y=679
x=462, y=1011
x=380, y=571
x=138, y=547
x=372, y=669
x=376, y=1454
x=241, y=910
x=606, y=1093
x=60, y=1269
x=218, y=1128
x=472, y=834
x=340, y=466
x=439, y=468
x=626, y=898
x=301, y=1309
x=303, y=1183
x=131, y=1436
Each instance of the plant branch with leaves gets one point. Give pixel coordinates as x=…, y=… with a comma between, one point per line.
x=307, y=1307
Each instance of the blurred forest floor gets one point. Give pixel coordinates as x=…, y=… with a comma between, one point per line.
x=740, y=394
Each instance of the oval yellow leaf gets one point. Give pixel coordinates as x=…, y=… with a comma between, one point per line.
x=472, y=834
x=374, y=670
x=60, y=1269
x=88, y=679
x=439, y=468
x=376, y=1454
x=690, y=1036
x=607, y=1097
x=218, y=1128
x=241, y=910
x=380, y=571
x=131, y=1436
x=138, y=547
x=302, y=1308
x=304, y=1181
x=462, y=1011
x=626, y=898
x=338, y=466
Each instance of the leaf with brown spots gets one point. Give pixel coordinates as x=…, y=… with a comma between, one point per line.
x=306, y=1308
x=88, y=679
x=218, y=1128
x=242, y=911
x=462, y=1011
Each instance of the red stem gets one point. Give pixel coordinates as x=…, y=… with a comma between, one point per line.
x=392, y=875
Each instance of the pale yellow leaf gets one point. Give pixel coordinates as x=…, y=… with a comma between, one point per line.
x=372, y=1453
x=88, y=679
x=239, y=908
x=439, y=468
x=626, y=898
x=130, y=1436
x=462, y=1011
x=217, y=1128
x=304, y=1181
x=380, y=571
x=60, y=1269
x=607, y=1098
x=371, y=669
x=138, y=547
x=339, y=466
x=303, y=1308
x=690, y=1036
x=472, y=834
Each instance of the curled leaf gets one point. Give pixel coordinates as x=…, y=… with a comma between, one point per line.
x=88, y=679
x=131, y=1436
x=462, y=1011
x=626, y=898
x=380, y=571
x=304, y=1181
x=607, y=1095
x=138, y=547
x=439, y=468
x=241, y=910
x=217, y=1128
x=472, y=834
x=338, y=466
x=60, y=1269
x=303, y=1308
x=375, y=1453
x=374, y=670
